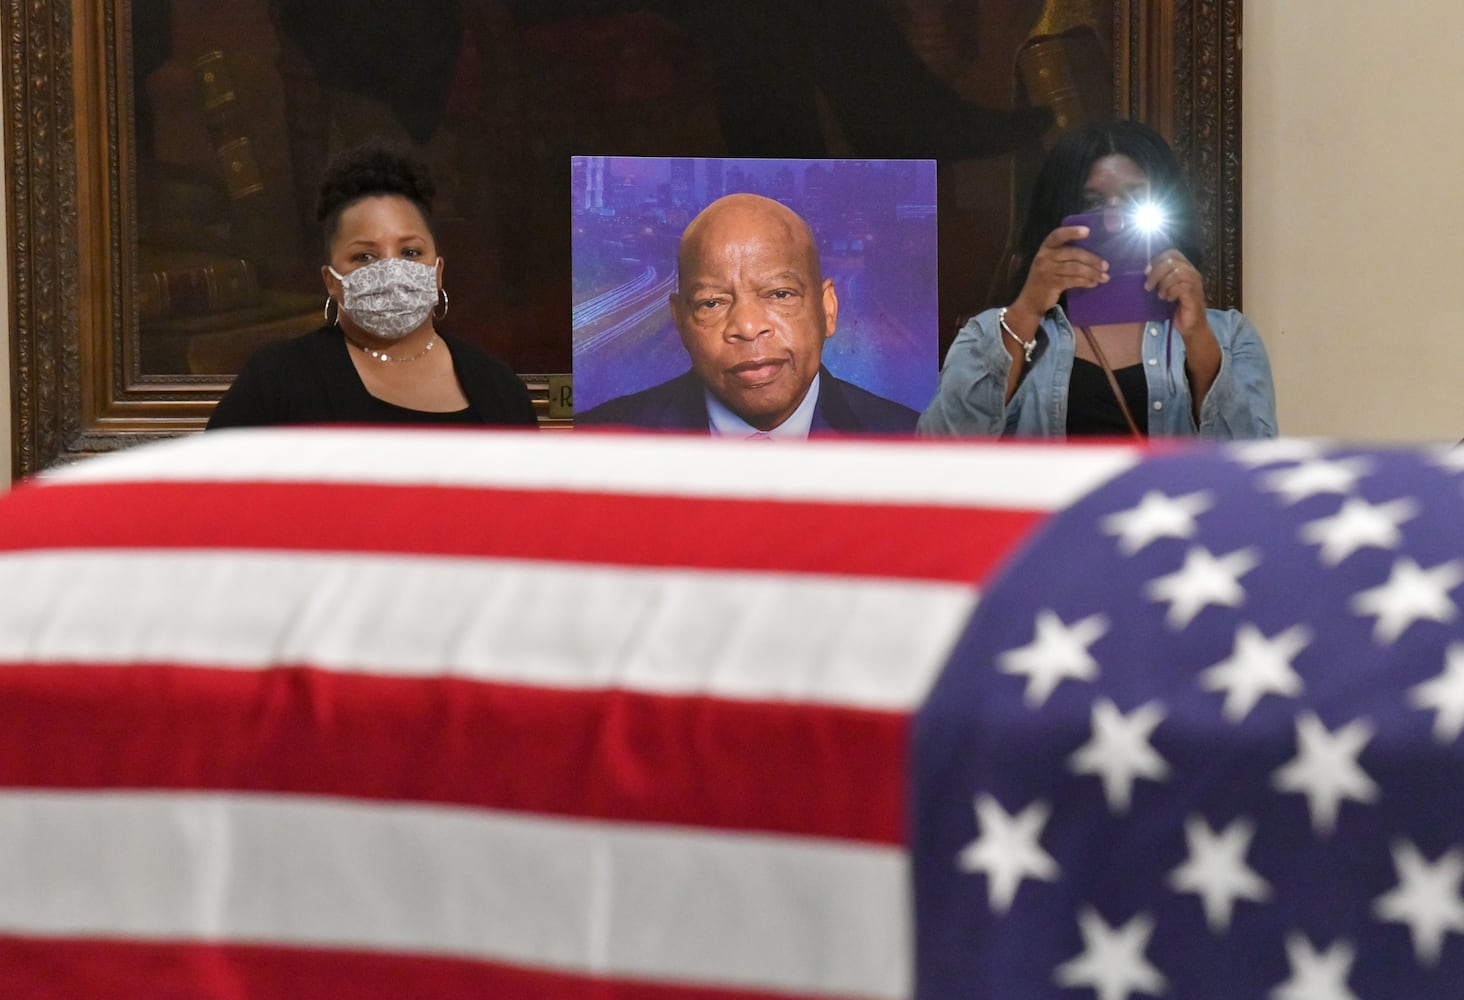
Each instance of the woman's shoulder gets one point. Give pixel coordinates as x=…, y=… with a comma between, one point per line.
x=976, y=322
x=492, y=386
x=1229, y=324
x=289, y=352
x=975, y=329
x=467, y=352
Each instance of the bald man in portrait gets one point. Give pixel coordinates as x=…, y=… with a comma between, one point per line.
x=753, y=310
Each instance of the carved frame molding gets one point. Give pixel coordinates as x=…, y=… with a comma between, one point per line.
x=76, y=390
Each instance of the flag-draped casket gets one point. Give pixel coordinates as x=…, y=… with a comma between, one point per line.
x=1204, y=738
x=295, y=713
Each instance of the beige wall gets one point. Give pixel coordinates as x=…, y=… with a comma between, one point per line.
x=1353, y=213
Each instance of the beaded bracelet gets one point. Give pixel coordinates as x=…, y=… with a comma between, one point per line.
x=1028, y=346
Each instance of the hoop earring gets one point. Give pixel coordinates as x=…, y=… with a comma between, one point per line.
x=441, y=310
x=332, y=312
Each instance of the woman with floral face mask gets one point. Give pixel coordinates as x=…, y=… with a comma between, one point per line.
x=379, y=358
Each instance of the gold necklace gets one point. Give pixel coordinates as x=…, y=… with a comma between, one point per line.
x=383, y=356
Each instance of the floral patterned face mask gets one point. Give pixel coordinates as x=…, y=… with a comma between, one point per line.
x=389, y=298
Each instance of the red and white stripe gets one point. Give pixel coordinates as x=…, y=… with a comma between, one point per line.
x=410, y=713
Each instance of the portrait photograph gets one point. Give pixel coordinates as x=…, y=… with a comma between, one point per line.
x=872, y=225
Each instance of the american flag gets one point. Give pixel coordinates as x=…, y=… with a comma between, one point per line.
x=1202, y=739
x=383, y=714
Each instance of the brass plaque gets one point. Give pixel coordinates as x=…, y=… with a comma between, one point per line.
x=561, y=397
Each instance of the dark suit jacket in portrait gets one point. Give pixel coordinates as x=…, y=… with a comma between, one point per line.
x=680, y=405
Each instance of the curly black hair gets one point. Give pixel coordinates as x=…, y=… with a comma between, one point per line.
x=372, y=168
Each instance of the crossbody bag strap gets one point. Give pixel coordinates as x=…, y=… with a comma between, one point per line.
x=1112, y=382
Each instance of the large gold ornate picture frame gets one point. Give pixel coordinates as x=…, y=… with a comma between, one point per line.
x=81, y=383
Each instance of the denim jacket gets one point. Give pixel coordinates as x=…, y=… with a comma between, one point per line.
x=1240, y=404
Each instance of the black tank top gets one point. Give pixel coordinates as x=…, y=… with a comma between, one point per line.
x=1092, y=410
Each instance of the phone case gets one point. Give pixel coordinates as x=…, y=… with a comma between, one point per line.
x=1122, y=299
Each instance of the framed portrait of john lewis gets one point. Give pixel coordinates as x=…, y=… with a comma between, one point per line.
x=745, y=277
x=162, y=156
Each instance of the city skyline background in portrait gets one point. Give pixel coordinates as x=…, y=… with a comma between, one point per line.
x=874, y=222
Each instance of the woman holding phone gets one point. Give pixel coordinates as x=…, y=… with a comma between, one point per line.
x=1025, y=370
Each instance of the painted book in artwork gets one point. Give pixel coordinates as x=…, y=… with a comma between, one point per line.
x=177, y=283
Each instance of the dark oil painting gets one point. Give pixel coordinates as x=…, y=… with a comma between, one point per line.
x=237, y=108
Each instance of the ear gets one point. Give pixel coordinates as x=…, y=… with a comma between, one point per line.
x=830, y=308
x=441, y=263
x=332, y=284
x=678, y=316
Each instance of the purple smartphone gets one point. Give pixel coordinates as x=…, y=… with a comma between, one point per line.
x=1114, y=236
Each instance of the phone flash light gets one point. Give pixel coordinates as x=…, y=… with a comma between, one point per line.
x=1149, y=217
